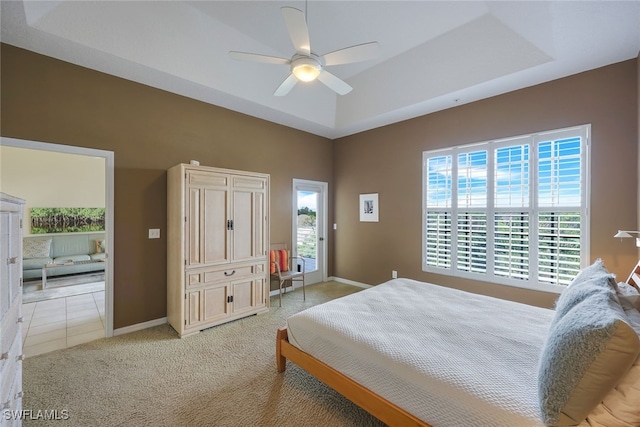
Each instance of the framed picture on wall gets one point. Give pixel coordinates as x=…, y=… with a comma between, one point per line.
x=369, y=207
x=66, y=220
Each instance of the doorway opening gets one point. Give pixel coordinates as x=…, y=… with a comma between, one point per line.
x=105, y=305
x=309, y=227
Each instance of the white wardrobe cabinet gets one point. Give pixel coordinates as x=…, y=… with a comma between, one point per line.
x=217, y=247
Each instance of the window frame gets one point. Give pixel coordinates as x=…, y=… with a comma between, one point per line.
x=490, y=209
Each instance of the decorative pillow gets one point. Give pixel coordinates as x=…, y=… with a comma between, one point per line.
x=590, y=280
x=281, y=256
x=590, y=347
x=36, y=248
x=620, y=406
x=101, y=246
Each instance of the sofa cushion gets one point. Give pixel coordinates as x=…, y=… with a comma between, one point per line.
x=35, y=263
x=590, y=347
x=77, y=244
x=71, y=258
x=36, y=248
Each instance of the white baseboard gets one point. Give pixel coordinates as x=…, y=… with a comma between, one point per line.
x=139, y=326
x=349, y=282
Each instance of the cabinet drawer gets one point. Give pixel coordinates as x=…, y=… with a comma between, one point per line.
x=201, y=277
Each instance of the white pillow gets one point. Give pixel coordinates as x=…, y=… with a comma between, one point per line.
x=36, y=248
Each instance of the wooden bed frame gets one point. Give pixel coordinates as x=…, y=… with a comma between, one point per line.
x=376, y=405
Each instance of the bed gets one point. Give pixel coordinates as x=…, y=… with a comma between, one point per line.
x=414, y=353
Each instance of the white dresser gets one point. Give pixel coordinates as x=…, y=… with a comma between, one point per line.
x=11, y=355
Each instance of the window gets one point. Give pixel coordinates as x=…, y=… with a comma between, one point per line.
x=511, y=211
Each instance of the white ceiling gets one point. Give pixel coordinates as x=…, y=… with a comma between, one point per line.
x=433, y=54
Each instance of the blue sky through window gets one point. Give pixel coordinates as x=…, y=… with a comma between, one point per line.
x=559, y=177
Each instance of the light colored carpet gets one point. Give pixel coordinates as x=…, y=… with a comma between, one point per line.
x=224, y=376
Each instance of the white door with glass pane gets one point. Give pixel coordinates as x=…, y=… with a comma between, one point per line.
x=309, y=227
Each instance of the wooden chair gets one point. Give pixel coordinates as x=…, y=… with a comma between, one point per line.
x=634, y=277
x=283, y=269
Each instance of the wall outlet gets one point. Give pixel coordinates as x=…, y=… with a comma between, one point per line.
x=154, y=233
x=394, y=274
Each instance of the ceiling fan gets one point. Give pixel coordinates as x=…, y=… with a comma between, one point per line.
x=305, y=65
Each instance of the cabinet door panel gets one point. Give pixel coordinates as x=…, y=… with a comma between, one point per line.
x=193, y=227
x=208, y=179
x=248, y=182
x=5, y=292
x=194, y=314
x=243, y=224
x=243, y=296
x=259, y=290
x=259, y=229
x=214, y=219
x=215, y=303
x=15, y=249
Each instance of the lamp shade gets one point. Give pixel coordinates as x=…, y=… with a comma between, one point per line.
x=623, y=234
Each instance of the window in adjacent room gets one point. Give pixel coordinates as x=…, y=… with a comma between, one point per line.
x=511, y=211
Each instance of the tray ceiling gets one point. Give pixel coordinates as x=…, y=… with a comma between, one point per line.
x=433, y=54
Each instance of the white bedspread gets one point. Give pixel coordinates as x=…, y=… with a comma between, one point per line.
x=450, y=358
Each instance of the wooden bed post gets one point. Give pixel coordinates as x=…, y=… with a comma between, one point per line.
x=281, y=361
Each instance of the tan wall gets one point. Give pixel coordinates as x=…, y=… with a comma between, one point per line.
x=388, y=161
x=51, y=180
x=150, y=130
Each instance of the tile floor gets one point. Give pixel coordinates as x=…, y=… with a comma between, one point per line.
x=62, y=322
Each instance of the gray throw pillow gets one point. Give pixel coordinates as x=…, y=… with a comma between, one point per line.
x=590, y=347
x=588, y=281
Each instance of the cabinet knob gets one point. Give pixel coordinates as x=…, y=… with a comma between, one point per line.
x=20, y=319
x=12, y=260
x=19, y=395
x=21, y=357
x=4, y=356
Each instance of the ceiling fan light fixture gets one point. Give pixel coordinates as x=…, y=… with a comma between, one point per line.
x=306, y=69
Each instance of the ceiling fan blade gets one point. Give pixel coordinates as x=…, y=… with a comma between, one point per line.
x=297, y=27
x=244, y=56
x=334, y=83
x=286, y=86
x=358, y=53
